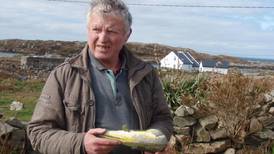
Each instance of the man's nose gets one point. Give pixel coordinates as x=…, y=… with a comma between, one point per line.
x=103, y=37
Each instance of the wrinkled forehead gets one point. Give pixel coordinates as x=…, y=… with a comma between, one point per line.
x=108, y=21
x=108, y=15
x=105, y=11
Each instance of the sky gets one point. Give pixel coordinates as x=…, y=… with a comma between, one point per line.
x=240, y=32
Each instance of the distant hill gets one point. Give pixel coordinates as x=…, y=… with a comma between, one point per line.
x=148, y=51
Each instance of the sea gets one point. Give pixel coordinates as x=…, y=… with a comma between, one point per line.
x=255, y=60
x=258, y=60
x=7, y=54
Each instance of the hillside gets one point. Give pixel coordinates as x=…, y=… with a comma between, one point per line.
x=149, y=51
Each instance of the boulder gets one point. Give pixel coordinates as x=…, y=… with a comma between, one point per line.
x=230, y=151
x=184, y=121
x=219, y=133
x=183, y=139
x=5, y=128
x=209, y=122
x=16, y=123
x=170, y=148
x=254, y=141
x=182, y=130
x=184, y=111
x=255, y=125
x=266, y=120
x=214, y=147
x=267, y=98
x=265, y=134
x=271, y=110
x=272, y=93
x=201, y=134
x=16, y=106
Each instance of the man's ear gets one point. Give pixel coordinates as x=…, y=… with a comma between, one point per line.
x=128, y=34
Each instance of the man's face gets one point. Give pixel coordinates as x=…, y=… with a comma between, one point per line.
x=106, y=36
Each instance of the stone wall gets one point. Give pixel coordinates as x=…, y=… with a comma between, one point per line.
x=13, y=137
x=206, y=134
x=40, y=62
x=192, y=135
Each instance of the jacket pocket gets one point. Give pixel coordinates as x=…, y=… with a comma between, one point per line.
x=72, y=111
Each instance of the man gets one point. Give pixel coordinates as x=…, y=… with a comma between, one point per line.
x=103, y=88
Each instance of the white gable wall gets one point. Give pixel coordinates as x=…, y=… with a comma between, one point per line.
x=172, y=61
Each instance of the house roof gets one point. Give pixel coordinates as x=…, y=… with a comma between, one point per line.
x=194, y=61
x=214, y=63
x=184, y=58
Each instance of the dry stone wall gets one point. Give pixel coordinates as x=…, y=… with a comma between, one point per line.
x=206, y=134
x=192, y=135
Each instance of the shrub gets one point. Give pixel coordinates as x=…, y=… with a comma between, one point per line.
x=234, y=99
x=183, y=88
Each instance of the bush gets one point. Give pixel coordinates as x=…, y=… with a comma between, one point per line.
x=233, y=98
x=184, y=88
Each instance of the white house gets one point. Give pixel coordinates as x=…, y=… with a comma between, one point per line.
x=179, y=60
x=214, y=66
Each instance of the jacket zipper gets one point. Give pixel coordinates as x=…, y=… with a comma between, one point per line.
x=138, y=110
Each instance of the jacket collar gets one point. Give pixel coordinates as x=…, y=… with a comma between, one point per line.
x=137, y=69
x=81, y=63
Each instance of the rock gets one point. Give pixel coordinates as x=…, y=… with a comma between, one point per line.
x=17, y=138
x=215, y=147
x=16, y=123
x=5, y=128
x=272, y=93
x=208, y=122
x=183, y=139
x=184, y=121
x=254, y=141
x=16, y=106
x=265, y=134
x=184, y=111
x=271, y=126
x=182, y=130
x=271, y=110
x=267, y=98
x=265, y=109
x=255, y=126
x=266, y=120
x=170, y=148
x=219, y=133
x=202, y=135
x=230, y=151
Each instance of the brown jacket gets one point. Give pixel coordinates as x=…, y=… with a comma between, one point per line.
x=66, y=107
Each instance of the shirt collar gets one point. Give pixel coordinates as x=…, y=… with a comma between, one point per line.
x=97, y=64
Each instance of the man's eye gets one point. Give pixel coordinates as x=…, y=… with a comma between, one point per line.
x=95, y=29
x=113, y=31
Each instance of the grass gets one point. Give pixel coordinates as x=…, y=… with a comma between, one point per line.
x=24, y=91
x=233, y=98
x=184, y=88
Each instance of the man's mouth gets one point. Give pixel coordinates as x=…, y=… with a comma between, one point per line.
x=103, y=46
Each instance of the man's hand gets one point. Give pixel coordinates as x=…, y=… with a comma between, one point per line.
x=96, y=145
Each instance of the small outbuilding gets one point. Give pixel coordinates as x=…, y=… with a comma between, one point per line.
x=214, y=66
x=179, y=60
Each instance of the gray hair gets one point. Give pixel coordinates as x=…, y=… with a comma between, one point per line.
x=117, y=7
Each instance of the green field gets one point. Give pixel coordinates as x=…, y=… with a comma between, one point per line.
x=24, y=91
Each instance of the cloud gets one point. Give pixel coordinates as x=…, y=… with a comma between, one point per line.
x=236, y=32
x=30, y=19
